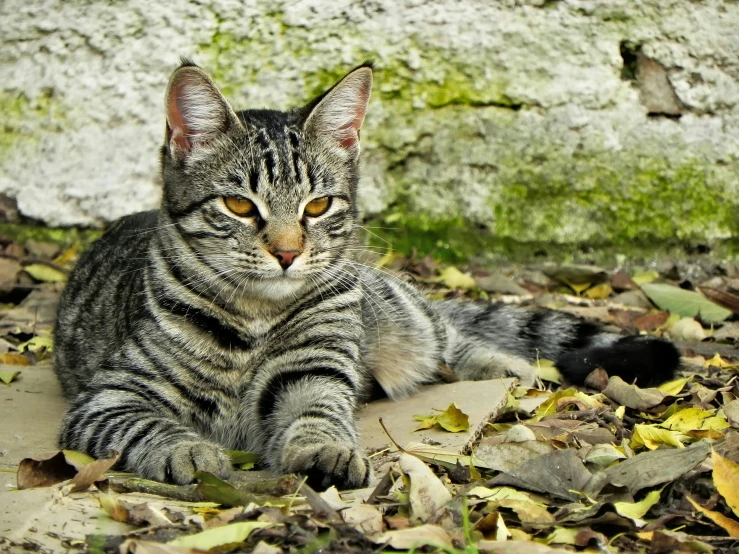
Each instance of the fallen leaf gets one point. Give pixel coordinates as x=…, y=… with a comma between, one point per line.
x=526, y=510
x=9, y=358
x=732, y=412
x=242, y=459
x=435, y=455
x=427, y=493
x=637, y=510
x=645, y=277
x=135, y=546
x=364, y=518
x=44, y=473
x=560, y=474
x=632, y=396
x=694, y=419
x=648, y=469
x=332, y=498
x=727, y=524
x=112, y=506
x=546, y=371
x=501, y=493
x=654, y=437
x=549, y=406
x=45, y=273
x=726, y=479
x=454, y=279
x=649, y=323
x=562, y=535
x=37, y=343
x=8, y=377
x=227, y=534
x=599, y=292
x=722, y=298
x=672, y=388
x=685, y=303
x=717, y=361
x=91, y=472
x=603, y=455
x=687, y=329
x=452, y=419
x=405, y=539
x=509, y=455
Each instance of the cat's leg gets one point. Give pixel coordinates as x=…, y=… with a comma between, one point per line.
x=304, y=396
x=144, y=427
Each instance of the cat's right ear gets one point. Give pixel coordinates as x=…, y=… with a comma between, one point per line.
x=197, y=112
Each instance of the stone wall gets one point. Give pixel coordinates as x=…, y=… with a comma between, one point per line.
x=541, y=120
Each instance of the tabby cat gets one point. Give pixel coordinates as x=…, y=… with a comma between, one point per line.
x=237, y=316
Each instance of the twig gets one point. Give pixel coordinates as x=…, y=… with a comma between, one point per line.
x=390, y=437
x=319, y=505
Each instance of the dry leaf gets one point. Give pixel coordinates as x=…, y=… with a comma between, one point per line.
x=8, y=377
x=632, y=396
x=427, y=493
x=454, y=279
x=637, y=510
x=726, y=479
x=654, y=437
x=364, y=518
x=45, y=273
x=405, y=539
x=727, y=524
x=452, y=419
x=90, y=473
x=227, y=534
x=687, y=329
x=44, y=473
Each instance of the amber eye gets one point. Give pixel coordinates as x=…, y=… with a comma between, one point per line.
x=241, y=206
x=317, y=207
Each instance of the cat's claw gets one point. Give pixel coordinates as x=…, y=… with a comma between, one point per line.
x=183, y=459
x=326, y=464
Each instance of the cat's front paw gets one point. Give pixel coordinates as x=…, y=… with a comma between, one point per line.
x=178, y=463
x=326, y=464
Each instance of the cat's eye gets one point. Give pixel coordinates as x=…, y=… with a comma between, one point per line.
x=317, y=207
x=241, y=206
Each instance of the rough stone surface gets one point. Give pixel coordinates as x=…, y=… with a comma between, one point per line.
x=544, y=120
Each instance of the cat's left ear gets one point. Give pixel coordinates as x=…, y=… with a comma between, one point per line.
x=339, y=114
x=196, y=110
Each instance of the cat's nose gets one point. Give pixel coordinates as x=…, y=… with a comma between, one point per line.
x=286, y=257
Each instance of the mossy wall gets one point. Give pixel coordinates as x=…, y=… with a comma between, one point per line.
x=597, y=122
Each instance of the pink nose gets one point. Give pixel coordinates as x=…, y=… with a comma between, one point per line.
x=286, y=257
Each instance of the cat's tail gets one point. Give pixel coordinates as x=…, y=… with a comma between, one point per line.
x=576, y=347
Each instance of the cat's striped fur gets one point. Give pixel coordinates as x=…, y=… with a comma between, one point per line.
x=181, y=333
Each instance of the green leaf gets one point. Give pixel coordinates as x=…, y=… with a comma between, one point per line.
x=216, y=490
x=452, y=419
x=227, y=534
x=37, y=343
x=645, y=278
x=45, y=273
x=77, y=459
x=239, y=457
x=685, y=303
x=454, y=279
x=8, y=377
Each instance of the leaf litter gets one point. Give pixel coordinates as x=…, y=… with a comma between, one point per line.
x=609, y=466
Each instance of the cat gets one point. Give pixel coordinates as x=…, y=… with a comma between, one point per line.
x=237, y=316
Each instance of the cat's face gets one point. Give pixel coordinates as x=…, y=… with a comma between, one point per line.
x=261, y=196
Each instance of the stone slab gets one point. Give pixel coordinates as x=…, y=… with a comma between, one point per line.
x=480, y=400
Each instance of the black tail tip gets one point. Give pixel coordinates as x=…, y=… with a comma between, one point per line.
x=645, y=361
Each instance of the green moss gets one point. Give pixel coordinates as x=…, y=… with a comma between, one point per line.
x=20, y=233
x=18, y=110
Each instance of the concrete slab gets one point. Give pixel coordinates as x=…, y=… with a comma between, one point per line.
x=480, y=400
x=31, y=409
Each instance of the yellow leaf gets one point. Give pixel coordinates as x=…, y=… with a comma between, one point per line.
x=227, y=534
x=8, y=377
x=645, y=278
x=561, y=535
x=426, y=422
x=452, y=419
x=546, y=371
x=599, y=292
x=498, y=494
x=549, y=406
x=654, y=437
x=579, y=288
x=637, y=510
x=672, y=388
x=10, y=358
x=717, y=361
x=728, y=524
x=694, y=419
x=726, y=479
x=46, y=273
x=454, y=279
x=67, y=256
x=34, y=344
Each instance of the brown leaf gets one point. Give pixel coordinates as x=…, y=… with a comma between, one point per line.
x=44, y=473
x=727, y=524
x=404, y=539
x=632, y=396
x=92, y=472
x=651, y=321
x=597, y=380
x=621, y=281
x=722, y=298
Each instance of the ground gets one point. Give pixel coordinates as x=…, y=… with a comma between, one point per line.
x=460, y=467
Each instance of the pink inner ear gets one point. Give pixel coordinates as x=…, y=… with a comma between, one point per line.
x=350, y=132
x=176, y=123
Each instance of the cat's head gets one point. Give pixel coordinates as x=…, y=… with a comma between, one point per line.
x=269, y=195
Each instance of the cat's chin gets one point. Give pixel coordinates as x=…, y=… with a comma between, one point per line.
x=276, y=289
